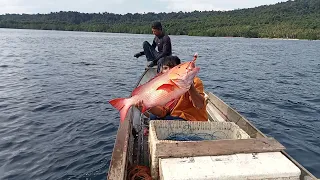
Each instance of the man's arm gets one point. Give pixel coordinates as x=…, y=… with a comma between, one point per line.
x=154, y=44
x=159, y=111
x=196, y=94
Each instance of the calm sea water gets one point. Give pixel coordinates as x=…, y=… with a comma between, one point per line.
x=55, y=122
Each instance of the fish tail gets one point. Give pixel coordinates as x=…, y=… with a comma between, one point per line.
x=122, y=105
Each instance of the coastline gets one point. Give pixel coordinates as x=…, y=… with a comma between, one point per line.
x=276, y=38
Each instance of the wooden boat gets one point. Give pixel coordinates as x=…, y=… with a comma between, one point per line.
x=131, y=145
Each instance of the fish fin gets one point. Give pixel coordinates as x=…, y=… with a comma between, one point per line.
x=122, y=106
x=180, y=83
x=124, y=112
x=117, y=103
x=166, y=87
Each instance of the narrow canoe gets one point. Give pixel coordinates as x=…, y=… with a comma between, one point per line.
x=131, y=144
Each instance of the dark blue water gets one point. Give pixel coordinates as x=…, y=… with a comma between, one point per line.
x=55, y=122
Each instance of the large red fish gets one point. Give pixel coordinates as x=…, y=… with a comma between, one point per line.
x=162, y=89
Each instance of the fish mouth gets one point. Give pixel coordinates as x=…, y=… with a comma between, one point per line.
x=191, y=66
x=193, y=69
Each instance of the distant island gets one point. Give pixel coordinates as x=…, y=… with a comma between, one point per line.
x=299, y=19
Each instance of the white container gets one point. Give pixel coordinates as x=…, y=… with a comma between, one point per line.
x=161, y=130
x=271, y=166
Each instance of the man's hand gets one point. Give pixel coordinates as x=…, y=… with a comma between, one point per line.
x=137, y=55
x=139, y=105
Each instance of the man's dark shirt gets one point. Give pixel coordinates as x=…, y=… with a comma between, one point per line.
x=163, y=43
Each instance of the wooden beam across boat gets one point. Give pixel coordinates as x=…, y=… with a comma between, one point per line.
x=218, y=147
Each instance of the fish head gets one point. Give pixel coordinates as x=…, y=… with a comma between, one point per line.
x=183, y=74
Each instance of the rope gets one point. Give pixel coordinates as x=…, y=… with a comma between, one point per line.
x=141, y=176
x=139, y=173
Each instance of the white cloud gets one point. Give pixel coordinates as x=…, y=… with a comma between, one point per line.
x=125, y=6
x=46, y=6
x=191, y=5
x=201, y=5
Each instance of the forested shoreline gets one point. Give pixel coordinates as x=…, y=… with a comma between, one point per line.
x=299, y=19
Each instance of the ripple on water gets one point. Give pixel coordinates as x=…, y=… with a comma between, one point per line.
x=56, y=123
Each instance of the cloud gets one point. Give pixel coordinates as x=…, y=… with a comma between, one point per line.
x=46, y=6
x=201, y=5
x=124, y=6
x=191, y=5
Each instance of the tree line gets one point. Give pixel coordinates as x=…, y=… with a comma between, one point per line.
x=299, y=19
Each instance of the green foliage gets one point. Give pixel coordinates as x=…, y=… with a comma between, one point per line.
x=292, y=19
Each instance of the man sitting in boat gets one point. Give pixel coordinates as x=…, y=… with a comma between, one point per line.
x=190, y=106
x=162, y=41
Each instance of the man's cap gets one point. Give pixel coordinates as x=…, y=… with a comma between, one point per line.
x=157, y=25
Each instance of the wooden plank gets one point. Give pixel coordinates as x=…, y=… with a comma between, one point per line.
x=249, y=128
x=226, y=110
x=215, y=114
x=119, y=160
x=219, y=147
x=218, y=102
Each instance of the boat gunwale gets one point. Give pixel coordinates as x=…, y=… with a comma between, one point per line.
x=119, y=160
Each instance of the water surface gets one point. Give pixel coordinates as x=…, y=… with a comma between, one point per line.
x=55, y=122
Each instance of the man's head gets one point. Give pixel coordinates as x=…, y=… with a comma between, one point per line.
x=169, y=62
x=157, y=28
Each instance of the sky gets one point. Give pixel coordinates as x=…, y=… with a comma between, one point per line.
x=125, y=6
